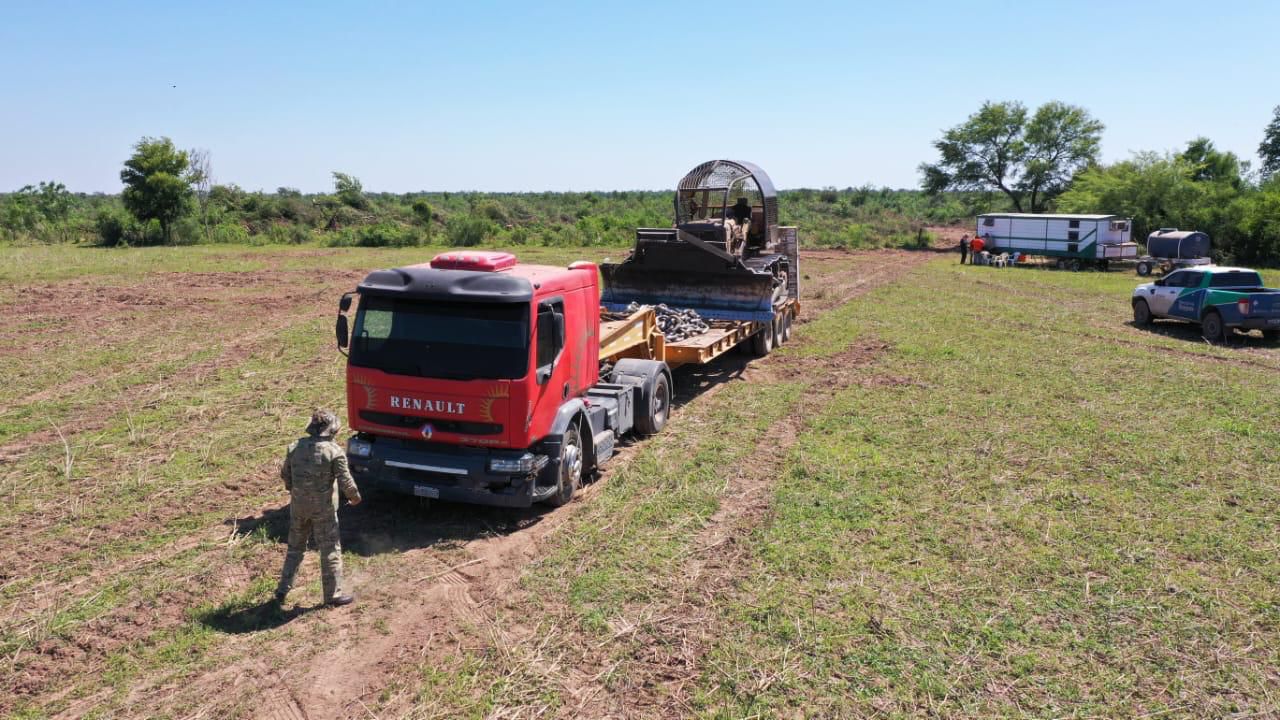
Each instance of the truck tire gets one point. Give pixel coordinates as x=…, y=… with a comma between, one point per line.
x=1211, y=326
x=786, y=327
x=569, y=469
x=1271, y=335
x=1141, y=313
x=1143, y=269
x=653, y=380
x=777, y=330
x=762, y=341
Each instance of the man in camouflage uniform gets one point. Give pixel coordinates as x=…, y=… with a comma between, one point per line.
x=312, y=472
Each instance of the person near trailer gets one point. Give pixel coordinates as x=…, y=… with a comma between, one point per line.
x=964, y=248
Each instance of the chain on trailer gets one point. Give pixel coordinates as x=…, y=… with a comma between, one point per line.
x=676, y=324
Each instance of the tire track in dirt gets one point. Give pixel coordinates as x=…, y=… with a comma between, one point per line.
x=664, y=658
x=422, y=616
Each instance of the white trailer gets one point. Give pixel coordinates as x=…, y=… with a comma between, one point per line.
x=1075, y=240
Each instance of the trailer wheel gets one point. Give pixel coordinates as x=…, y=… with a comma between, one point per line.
x=1141, y=312
x=1211, y=326
x=1143, y=269
x=1075, y=264
x=569, y=469
x=657, y=407
x=1104, y=265
x=1060, y=264
x=762, y=341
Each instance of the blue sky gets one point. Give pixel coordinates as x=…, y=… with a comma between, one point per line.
x=597, y=95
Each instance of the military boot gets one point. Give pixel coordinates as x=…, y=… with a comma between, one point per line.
x=338, y=600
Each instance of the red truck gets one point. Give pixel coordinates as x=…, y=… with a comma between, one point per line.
x=475, y=378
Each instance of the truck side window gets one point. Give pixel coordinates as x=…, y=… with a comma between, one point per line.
x=548, y=348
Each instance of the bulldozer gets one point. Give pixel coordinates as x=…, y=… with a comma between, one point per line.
x=725, y=257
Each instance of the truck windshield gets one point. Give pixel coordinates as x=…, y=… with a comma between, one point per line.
x=458, y=341
x=1236, y=279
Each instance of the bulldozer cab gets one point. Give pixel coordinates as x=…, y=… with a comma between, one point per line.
x=731, y=205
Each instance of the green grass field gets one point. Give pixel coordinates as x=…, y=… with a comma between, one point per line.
x=1023, y=507
x=960, y=492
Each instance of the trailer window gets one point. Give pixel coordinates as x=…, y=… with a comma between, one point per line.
x=1236, y=279
x=988, y=222
x=1073, y=224
x=442, y=340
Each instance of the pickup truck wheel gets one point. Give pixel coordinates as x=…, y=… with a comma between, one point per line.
x=762, y=341
x=1211, y=326
x=1141, y=312
x=570, y=468
x=658, y=407
x=1143, y=269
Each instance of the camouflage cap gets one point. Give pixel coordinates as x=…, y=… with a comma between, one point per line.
x=324, y=423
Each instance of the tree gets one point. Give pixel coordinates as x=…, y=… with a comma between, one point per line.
x=1269, y=150
x=1210, y=165
x=349, y=191
x=200, y=175
x=157, y=186
x=1030, y=161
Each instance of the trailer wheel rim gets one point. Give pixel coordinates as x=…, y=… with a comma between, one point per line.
x=661, y=401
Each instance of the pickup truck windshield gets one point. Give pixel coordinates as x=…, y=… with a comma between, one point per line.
x=1236, y=279
x=458, y=341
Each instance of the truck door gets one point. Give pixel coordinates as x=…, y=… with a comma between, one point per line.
x=1165, y=292
x=551, y=367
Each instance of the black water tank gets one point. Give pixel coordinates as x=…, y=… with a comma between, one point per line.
x=1180, y=244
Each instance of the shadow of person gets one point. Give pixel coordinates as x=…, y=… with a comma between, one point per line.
x=256, y=618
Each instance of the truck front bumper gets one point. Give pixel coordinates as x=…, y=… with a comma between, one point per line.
x=445, y=472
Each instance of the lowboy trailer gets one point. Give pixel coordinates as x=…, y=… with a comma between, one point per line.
x=475, y=378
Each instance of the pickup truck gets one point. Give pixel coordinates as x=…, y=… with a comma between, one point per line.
x=1218, y=298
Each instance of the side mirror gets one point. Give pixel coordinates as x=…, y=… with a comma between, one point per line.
x=1160, y=282
x=343, y=332
x=345, y=303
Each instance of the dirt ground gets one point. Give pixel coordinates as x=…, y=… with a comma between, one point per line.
x=86, y=628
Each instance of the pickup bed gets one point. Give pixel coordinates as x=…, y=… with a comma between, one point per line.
x=1218, y=298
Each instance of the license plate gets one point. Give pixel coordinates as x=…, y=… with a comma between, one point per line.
x=426, y=491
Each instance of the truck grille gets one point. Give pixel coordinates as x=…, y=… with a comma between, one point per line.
x=458, y=427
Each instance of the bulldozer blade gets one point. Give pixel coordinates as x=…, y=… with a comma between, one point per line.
x=730, y=293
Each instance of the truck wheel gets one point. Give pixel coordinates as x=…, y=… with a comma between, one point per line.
x=1143, y=269
x=652, y=379
x=762, y=341
x=1271, y=335
x=657, y=408
x=786, y=327
x=569, y=470
x=777, y=330
x=1141, y=312
x=1211, y=326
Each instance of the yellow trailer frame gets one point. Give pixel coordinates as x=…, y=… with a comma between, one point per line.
x=638, y=336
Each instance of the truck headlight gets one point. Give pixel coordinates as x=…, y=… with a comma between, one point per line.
x=522, y=465
x=359, y=448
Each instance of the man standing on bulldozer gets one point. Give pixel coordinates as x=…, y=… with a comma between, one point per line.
x=313, y=470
